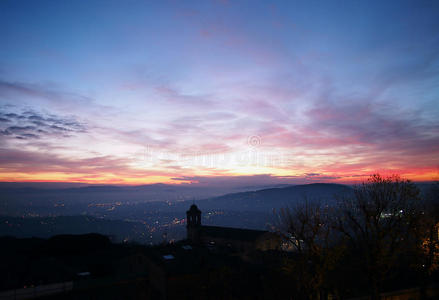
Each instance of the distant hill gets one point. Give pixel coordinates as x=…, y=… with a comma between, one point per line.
x=275, y=198
x=18, y=198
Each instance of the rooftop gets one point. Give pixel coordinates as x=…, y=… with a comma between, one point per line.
x=232, y=233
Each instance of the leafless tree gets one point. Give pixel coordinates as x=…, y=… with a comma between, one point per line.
x=307, y=230
x=430, y=229
x=379, y=222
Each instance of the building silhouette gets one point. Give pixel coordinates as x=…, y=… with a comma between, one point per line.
x=228, y=238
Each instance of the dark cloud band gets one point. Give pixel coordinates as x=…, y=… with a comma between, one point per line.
x=34, y=125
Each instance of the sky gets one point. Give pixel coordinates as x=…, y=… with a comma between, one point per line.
x=251, y=92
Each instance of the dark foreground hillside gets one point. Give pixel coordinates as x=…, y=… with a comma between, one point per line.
x=102, y=270
x=91, y=267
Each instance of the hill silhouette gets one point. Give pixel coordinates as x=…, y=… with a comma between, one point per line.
x=274, y=198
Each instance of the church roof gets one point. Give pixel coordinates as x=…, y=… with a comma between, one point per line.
x=232, y=233
x=194, y=208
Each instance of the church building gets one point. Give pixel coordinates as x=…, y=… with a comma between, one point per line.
x=235, y=239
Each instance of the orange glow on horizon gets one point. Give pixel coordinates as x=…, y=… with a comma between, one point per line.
x=420, y=175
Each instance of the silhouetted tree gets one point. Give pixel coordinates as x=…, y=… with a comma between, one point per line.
x=308, y=230
x=379, y=223
x=430, y=229
x=428, y=239
x=361, y=243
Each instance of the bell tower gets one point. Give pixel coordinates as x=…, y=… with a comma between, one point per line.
x=193, y=221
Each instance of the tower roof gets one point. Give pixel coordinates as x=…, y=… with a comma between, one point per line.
x=193, y=209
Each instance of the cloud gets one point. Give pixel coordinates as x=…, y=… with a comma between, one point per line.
x=235, y=181
x=25, y=163
x=33, y=125
x=312, y=174
x=52, y=97
x=258, y=180
x=415, y=68
x=176, y=97
x=20, y=91
x=382, y=126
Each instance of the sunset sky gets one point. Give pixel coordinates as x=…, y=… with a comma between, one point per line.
x=137, y=92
